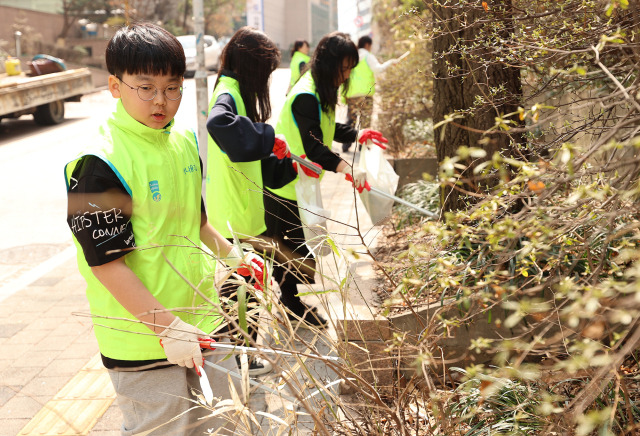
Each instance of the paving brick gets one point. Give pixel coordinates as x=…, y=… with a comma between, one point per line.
x=30, y=337
x=8, y=330
x=87, y=340
x=71, y=328
x=21, y=406
x=20, y=304
x=109, y=422
x=7, y=393
x=6, y=363
x=40, y=358
x=63, y=367
x=63, y=311
x=13, y=425
x=56, y=343
x=18, y=375
x=44, y=324
x=21, y=317
x=46, y=281
x=78, y=350
x=12, y=352
x=41, y=295
x=44, y=386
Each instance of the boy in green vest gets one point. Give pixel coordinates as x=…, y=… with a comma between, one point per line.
x=138, y=220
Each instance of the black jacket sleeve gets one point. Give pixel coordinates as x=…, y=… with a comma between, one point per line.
x=239, y=137
x=306, y=113
x=277, y=172
x=345, y=133
x=99, y=212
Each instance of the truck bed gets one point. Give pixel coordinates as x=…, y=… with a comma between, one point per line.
x=18, y=93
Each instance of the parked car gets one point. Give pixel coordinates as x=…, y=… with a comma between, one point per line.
x=211, y=53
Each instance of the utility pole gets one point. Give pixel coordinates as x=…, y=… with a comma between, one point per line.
x=201, y=87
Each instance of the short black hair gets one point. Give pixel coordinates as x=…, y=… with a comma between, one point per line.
x=145, y=48
x=326, y=66
x=364, y=40
x=250, y=57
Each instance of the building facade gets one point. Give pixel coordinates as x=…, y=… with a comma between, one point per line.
x=356, y=18
x=49, y=6
x=288, y=20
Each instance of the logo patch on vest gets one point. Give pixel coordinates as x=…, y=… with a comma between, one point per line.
x=155, y=190
x=190, y=169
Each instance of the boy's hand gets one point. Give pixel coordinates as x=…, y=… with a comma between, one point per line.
x=374, y=136
x=280, y=147
x=181, y=343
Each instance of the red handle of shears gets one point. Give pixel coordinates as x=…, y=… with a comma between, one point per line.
x=207, y=344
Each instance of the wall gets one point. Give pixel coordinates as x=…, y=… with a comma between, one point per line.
x=46, y=26
x=275, y=22
x=298, y=20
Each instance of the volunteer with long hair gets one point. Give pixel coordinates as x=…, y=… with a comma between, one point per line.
x=244, y=154
x=308, y=123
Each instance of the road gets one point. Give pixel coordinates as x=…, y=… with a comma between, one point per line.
x=34, y=236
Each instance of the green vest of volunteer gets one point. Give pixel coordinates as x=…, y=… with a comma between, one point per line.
x=288, y=127
x=296, y=60
x=362, y=82
x=234, y=189
x=160, y=169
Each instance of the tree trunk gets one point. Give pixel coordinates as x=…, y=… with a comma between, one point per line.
x=462, y=75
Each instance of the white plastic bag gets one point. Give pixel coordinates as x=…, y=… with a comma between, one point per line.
x=380, y=175
x=312, y=214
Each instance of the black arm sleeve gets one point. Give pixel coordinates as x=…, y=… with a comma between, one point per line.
x=277, y=172
x=345, y=133
x=301, y=66
x=306, y=113
x=203, y=209
x=99, y=212
x=239, y=137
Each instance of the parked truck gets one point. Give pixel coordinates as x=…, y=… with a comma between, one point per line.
x=42, y=96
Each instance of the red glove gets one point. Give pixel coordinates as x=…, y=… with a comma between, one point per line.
x=361, y=188
x=306, y=170
x=280, y=147
x=373, y=136
x=253, y=267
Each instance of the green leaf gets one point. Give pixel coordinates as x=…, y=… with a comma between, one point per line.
x=242, y=308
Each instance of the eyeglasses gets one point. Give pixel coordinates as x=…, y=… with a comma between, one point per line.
x=148, y=92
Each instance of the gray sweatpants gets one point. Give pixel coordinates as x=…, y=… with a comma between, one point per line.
x=152, y=398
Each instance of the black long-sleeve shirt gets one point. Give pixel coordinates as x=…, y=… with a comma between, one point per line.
x=245, y=141
x=306, y=113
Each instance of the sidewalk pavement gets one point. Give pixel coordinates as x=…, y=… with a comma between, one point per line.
x=51, y=378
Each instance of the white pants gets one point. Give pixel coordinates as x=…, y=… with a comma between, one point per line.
x=152, y=398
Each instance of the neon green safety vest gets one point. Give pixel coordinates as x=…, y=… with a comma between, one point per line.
x=296, y=60
x=234, y=189
x=288, y=127
x=362, y=82
x=160, y=169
